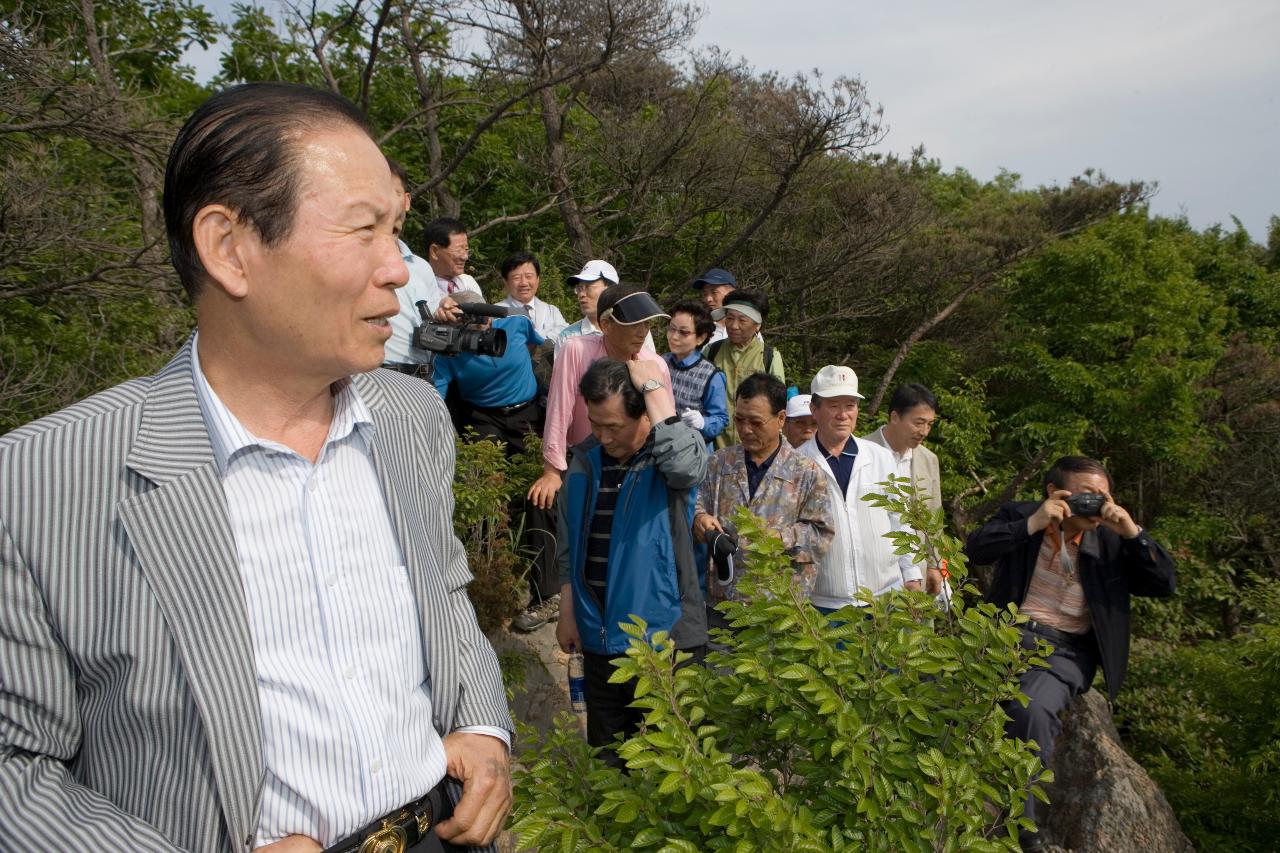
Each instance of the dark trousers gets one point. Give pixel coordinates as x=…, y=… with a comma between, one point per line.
x=1072, y=666
x=537, y=526
x=608, y=705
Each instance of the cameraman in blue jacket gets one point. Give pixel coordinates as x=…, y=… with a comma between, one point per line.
x=625, y=542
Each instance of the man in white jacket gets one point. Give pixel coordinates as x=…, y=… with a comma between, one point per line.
x=861, y=555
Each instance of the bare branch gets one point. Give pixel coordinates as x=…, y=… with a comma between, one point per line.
x=514, y=217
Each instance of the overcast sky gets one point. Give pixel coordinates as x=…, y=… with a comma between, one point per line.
x=1180, y=92
x=1183, y=92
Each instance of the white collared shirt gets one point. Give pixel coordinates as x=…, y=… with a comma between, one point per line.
x=449, y=286
x=546, y=317
x=902, y=461
x=343, y=692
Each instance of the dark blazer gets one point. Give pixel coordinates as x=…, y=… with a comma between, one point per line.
x=1111, y=569
x=128, y=702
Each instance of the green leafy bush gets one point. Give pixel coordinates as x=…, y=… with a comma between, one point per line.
x=484, y=484
x=881, y=730
x=1205, y=722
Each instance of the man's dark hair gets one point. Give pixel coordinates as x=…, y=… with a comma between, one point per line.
x=440, y=231
x=517, y=259
x=613, y=294
x=763, y=385
x=240, y=149
x=908, y=396
x=607, y=377
x=1058, y=472
x=703, y=326
x=754, y=298
x=397, y=169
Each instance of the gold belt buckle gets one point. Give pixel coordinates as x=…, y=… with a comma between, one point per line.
x=389, y=839
x=425, y=818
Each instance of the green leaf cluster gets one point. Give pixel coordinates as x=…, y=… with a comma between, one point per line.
x=1205, y=720
x=486, y=480
x=878, y=728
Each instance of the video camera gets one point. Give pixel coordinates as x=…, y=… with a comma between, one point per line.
x=445, y=339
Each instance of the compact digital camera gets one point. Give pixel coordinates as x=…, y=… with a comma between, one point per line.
x=1087, y=504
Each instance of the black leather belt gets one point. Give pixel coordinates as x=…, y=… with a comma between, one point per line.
x=505, y=410
x=1062, y=638
x=401, y=829
x=422, y=371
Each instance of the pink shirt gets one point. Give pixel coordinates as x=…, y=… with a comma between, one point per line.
x=1055, y=597
x=567, y=422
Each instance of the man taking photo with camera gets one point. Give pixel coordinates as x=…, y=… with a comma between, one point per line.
x=1070, y=563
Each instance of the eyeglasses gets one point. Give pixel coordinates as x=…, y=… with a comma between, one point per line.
x=676, y=330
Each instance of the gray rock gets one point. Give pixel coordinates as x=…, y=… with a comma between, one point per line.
x=1103, y=800
x=536, y=665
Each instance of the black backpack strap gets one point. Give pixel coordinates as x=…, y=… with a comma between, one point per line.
x=713, y=349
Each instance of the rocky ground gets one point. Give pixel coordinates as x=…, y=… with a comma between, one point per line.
x=546, y=683
x=546, y=679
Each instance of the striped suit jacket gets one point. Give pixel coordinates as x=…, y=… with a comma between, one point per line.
x=128, y=701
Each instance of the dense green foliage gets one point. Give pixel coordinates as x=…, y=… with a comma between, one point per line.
x=879, y=729
x=1205, y=720
x=1048, y=320
x=484, y=485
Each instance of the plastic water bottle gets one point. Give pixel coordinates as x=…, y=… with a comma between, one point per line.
x=577, y=682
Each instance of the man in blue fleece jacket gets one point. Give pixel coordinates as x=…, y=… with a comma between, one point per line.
x=625, y=544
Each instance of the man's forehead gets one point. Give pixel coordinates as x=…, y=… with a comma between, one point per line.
x=1086, y=479
x=343, y=162
x=758, y=406
x=608, y=409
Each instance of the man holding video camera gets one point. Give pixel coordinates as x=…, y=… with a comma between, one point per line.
x=1070, y=563
x=487, y=363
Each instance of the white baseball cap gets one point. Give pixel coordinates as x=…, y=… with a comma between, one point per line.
x=835, y=380
x=594, y=271
x=798, y=407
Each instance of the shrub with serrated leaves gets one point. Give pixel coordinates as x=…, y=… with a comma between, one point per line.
x=877, y=729
x=484, y=484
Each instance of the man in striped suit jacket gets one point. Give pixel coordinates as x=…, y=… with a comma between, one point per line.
x=233, y=614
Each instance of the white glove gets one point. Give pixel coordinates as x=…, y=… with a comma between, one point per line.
x=693, y=419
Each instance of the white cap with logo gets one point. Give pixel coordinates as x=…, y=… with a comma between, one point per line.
x=835, y=380
x=798, y=407
x=595, y=271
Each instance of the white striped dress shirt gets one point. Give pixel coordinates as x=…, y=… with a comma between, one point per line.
x=343, y=693
x=546, y=317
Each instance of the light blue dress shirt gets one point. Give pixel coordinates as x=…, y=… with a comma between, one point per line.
x=421, y=286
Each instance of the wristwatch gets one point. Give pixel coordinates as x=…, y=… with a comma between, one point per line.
x=651, y=385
